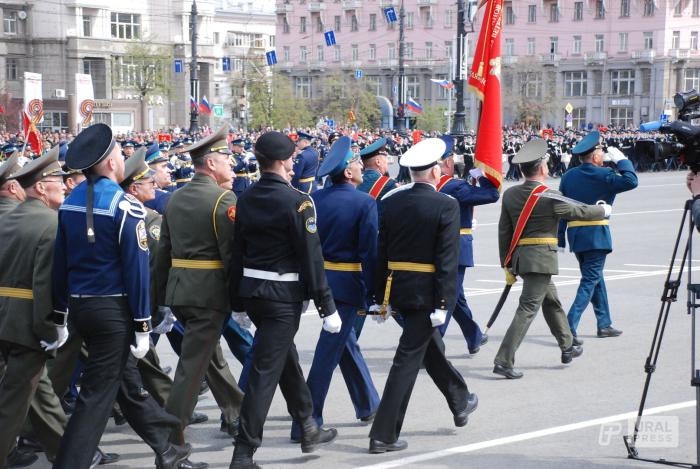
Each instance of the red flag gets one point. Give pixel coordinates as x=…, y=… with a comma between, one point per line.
x=31, y=134
x=485, y=81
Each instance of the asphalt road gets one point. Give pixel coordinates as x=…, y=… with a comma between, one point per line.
x=557, y=416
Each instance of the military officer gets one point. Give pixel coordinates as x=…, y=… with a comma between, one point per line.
x=468, y=196
x=305, y=164
x=375, y=178
x=527, y=248
x=347, y=227
x=159, y=163
x=277, y=263
x=11, y=192
x=101, y=231
x=415, y=274
x=193, y=257
x=590, y=241
x=243, y=178
x=128, y=148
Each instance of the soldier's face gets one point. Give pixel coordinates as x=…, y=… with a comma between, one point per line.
x=162, y=174
x=221, y=166
x=128, y=151
x=355, y=171
x=144, y=189
x=54, y=191
x=288, y=166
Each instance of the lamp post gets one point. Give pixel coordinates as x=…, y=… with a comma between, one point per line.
x=194, y=79
x=401, y=110
x=459, y=125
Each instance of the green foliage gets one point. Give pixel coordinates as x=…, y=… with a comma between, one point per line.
x=432, y=119
x=144, y=68
x=342, y=92
x=272, y=104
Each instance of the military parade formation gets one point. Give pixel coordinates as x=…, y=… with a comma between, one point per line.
x=106, y=247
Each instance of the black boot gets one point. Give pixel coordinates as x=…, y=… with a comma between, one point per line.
x=243, y=457
x=313, y=436
x=18, y=458
x=171, y=457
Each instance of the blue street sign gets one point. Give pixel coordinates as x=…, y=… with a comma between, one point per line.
x=390, y=15
x=358, y=73
x=663, y=117
x=395, y=89
x=271, y=57
x=330, y=38
x=330, y=123
x=178, y=65
x=226, y=64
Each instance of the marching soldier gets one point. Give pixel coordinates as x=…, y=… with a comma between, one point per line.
x=159, y=163
x=192, y=271
x=11, y=192
x=276, y=265
x=305, y=164
x=591, y=240
x=416, y=271
x=375, y=178
x=527, y=247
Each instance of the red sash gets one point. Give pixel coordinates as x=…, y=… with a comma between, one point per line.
x=444, y=179
x=522, y=220
x=378, y=186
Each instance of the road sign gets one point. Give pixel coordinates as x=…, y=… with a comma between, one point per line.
x=271, y=57
x=358, y=73
x=390, y=15
x=395, y=89
x=663, y=117
x=569, y=117
x=226, y=64
x=569, y=108
x=329, y=36
x=178, y=66
x=330, y=123
x=219, y=110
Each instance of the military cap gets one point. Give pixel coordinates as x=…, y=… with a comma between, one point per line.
x=129, y=144
x=424, y=154
x=11, y=165
x=305, y=136
x=238, y=142
x=449, y=145
x=275, y=146
x=177, y=144
x=153, y=155
x=136, y=168
x=184, y=157
x=163, y=146
x=587, y=144
x=35, y=170
x=89, y=147
x=338, y=157
x=333, y=136
x=535, y=149
x=214, y=143
x=187, y=141
x=375, y=147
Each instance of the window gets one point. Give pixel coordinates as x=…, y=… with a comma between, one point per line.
x=216, y=38
x=413, y=86
x=579, y=118
x=693, y=40
x=696, y=8
x=597, y=81
x=449, y=18
x=427, y=19
x=217, y=89
x=319, y=53
x=374, y=84
x=649, y=7
x=337, y=54
x=271, y=41
x=622, y=82
x=87, y=26
x=646, y=81
x=510, y=47
x=11, y=69
x=355, y=53
x=286, y=53
x=510, y=14
x=578, y=11
x=354, y=26
x=409, y=20
x=9, y=22
x=373, y=22
x=303, y=54
x=624, y=8
x=531, y=46
x=577, y=45
x=96, y=68
x=622, y=117
x=678, y=9
x=554, y=12
x=302, y=24
x=575, y=83
x=302, y=87
x=599, y=43
x=599, y=9
x=285, y=26
x=428, y=50
x=530, y=84
x=319, y=24
x=408, y=50
x=126, y=25
x=553, y=45
x=391, y=51
x=532, y=13
x=624, y=42
x=448, y=49
x=444, y=92
x=676, y=40
x=336, y=26
x=691, y=80
x=648, y=40
x=54, y=121
x=372, y=52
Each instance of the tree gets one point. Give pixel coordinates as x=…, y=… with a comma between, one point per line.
x=432, y=119
x=273, y=104
x=342, y=93
x=525, y=98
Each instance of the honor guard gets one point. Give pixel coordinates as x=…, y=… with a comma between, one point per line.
x=277, y=264
x=162, y=176
x=590, y=241
x=11, y=192
x=415, y=274
x=241, y=168
x=468, y=196
x=347, y=227
x=101, y=232
x=305, y=164
x=527, y=246
x=375, y=179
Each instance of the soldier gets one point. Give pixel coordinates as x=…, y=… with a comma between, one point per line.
x=347, y=227
x=415, y=274
x=305, y=164
x=243, y=178
x=192, y=271
x=590, y=241
x=11, y=192
x=527, y=247
x=276, y=265
x=159, y=163
x=101, y=232
x=71, y=178
x=128, y=148
x=468, y=196
x=375, y=178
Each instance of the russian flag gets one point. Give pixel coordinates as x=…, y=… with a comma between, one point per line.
x=193, y=103
x=444, y=83
x=414, y=106
x=204, y=105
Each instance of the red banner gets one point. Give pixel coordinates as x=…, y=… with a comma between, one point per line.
x=31, y=134
x=485, y=81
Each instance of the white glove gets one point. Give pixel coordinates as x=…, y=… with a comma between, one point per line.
x=242, y=319
x=616, y=155
x=166, y=325
x=62, y=336
x=476, y=173
x=142, y=343
x=606, y=207
x=380, y=318
x=438, y=317
x=332, y=323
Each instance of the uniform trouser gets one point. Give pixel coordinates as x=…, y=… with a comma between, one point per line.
x=107, y=328
x=419, y=343
x=201, y=354
x=156, y=382
x=591, y=290
x=463, y=315
x=538, y=290
x=329, y=349
x=275, y=361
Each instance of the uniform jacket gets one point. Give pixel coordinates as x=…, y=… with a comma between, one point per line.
x=543, y=222
x=348, y=225
x=153, y=222
x=468, y=196
x=7, y=204
x=26, y=254
x=369, y=177
x=242, y=180
x=419, y=225
x=589, y=183
x=160, y=202
x=197, y=225
x=305, y=167
x=276, y=231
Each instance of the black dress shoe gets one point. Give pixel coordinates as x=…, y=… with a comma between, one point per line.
x=609, y=332
x=571, y=353
x=119, y=418
x=107, y=458
x=173, y=456
x=231, y=428
x=509, y=373
x=368, y=419
x=577, y=342
x=313, y=436
x=378, y=447
x=203, y=387
x=187, y=464
x=461, y=418
x=18, y=458
x=29, y=445
x=484, y=340
x=197, y=417
x=243, y=457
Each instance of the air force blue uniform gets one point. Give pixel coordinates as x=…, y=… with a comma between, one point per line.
x=305, y=168
x=160, y=202
x=242, y=180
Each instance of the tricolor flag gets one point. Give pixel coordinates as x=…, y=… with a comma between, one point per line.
x=193, y=103
x=444, y=83
x=414, y=106
x=204, y=106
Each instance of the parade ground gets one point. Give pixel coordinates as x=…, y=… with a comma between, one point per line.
x=557, y=416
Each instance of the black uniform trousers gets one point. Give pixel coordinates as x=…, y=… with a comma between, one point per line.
x=275, y=361
x=419, y=343
x=107, y=327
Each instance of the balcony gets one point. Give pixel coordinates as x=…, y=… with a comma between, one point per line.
x=645, y=55
x=679, y=54
x=319, y=65
x=423, y=63
x=288, y=65
x=595, y=57
x=317, y=7
x=389, y=63
x=388, y=3
x=509, y=60
x=352, y=5
x=284, y=8
x=426, y=3
x=549, y=59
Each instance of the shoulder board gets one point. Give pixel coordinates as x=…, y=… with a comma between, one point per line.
x=131, y=205
x=397, y=189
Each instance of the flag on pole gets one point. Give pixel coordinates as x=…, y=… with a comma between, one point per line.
x=485, y=81
x=204, y=106
x=193, y=103
x=414, y=106
x=33, y=112
x=85, y=98
x=444, y=83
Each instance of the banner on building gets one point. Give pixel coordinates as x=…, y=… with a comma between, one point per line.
x=33, y=112
x=84, y=98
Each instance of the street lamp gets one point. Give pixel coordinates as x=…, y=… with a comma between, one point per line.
x=194, y=112
x=459, y=125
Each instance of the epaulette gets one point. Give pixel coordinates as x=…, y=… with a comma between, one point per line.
x=132, y=206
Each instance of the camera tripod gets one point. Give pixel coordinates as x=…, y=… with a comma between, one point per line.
x=670, y=295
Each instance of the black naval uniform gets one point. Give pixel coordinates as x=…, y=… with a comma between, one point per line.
x=409, y=255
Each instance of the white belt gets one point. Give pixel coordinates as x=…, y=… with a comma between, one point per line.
x=116, y=295
x=266, y=275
